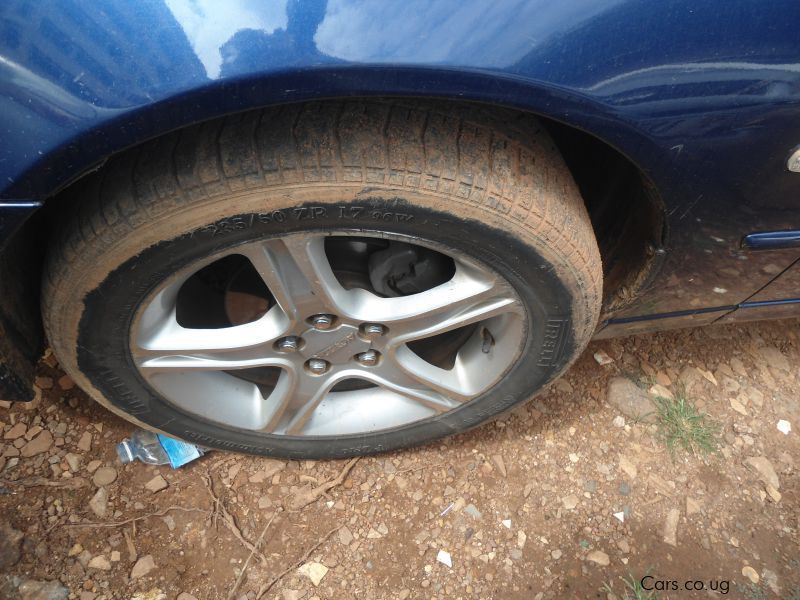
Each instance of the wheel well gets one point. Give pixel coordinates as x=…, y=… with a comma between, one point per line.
x=626, y=211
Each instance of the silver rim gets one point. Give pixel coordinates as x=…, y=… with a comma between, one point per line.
x=320, y=336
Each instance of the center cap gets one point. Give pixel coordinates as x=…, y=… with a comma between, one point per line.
x=336, y=345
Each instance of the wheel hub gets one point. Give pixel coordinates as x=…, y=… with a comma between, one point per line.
x=337, y=346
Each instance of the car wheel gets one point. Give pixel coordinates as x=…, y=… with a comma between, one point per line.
x=325, y=280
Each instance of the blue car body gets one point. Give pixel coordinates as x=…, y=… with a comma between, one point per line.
x=702, y=97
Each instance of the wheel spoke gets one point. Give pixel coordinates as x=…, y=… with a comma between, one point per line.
x=160, y=342
x=297, y=399
x=464, y=300
x=400, y=381
x=297, y=273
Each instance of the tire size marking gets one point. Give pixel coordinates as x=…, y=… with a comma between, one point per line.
x=306, y=213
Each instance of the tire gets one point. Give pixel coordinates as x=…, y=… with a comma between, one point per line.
x=482, y=186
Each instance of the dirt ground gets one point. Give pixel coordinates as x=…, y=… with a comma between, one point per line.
x=565, y=497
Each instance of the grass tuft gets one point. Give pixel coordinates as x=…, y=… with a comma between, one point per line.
x=632, y=590
x=682, y=426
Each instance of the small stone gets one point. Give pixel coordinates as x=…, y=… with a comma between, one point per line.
x=156, y=484
x=628, y=467
x=624, y=488
x=671, y=527
x=93, y=466
x=345, y=536
x=599, y=557
x=618, y=421
x=73, y=461
x=17, y=431
x=65, y=383
x=556, y=554
x=75, y=550
x=631, y=400
x=522, y=538
x=104, y=476
x=314, y=571
x=774, y=358
x=10, y=542
x=663, y=379
x=751, y=574
x=42, y=590
x=603, y=358
x=41, y=443
x=85, y=443
x=44, y=383
x=115, y=556
x=472, y=511
x=570, y=502
x=445, y=558
x=764, y=469
x=692, y=506
x=99, y=562
x=143, y=566
x=771, y=579
x=506, y=523
x=659, y=391
x=774, y=494
x=498, y=461
x=99, y=503
x=738, y=406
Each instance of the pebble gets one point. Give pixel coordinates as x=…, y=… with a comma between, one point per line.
x=345, y=536
x=314, y=571
x=628, y=467
x=498, y=461
x=65, y=383
x=692, y=506
x=93, y=465
x=472, y=511
x=143, y=566
x=104, y=476
x=156, y=484
x=556, y=554
x=99, y=562
x=41, y=443
x=765, y=470
x=99, y=503
x=85, y=443
x=738, y=406
x=570, y=502
x=630, y=399
x=659, y=391
x=17, y=431
x=42, y=590
x=751, y=574
x=10, y=542
x=775, y=358
x=599, y=557
x=671, y=527
x=73, y=461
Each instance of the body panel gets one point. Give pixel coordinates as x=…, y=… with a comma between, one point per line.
x=704, y=99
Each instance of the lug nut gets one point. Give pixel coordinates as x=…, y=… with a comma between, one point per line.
x=322, y=322
x=368, y=358
x=288, y=344
x=317, y=366
x=372, y=330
